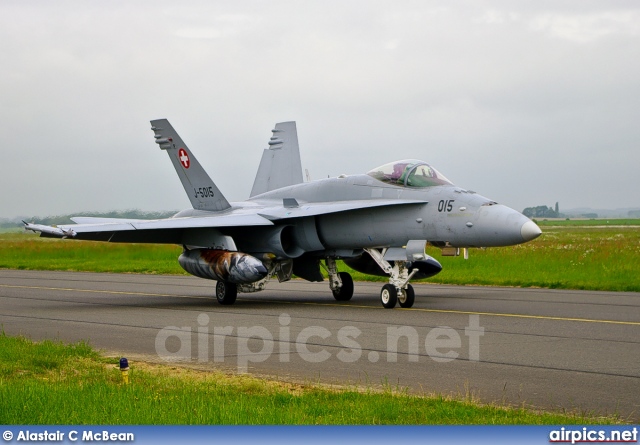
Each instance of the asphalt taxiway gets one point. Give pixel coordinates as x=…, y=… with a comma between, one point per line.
x=553, y=349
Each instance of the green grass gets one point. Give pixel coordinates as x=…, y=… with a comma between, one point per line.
x=594, y=258
x=30, y=252
x=588, y=222
x=53, y=383
x=563, y=258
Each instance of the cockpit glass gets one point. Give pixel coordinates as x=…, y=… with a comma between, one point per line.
x=409, y=173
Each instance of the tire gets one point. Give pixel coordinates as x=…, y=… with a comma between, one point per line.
x=346, y=291
x=226, y=293
x=389, y=296
x=408, y=297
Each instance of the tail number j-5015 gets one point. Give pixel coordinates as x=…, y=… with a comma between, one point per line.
x=203, y=192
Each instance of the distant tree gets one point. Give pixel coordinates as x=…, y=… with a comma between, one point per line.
x=557, y=209
x=540, y=212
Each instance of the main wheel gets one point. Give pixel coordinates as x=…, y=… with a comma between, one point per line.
x=407, y=297
x=389, y=296
x=226, y=292
x=346, y=291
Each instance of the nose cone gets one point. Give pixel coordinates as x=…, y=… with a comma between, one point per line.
x=498, y=225
x=530, y=230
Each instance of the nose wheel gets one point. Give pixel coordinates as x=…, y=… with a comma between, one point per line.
x=407, y=298
x=398, y=290
x=389, y=296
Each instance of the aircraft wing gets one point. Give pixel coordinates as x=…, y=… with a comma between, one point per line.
x=291, y=209
x=100, y=220
x=136, y=230
x=170, y=230
x=192, y=222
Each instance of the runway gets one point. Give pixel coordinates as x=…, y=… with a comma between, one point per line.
x=552, y=349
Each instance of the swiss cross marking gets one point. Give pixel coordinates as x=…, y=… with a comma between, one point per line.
x=184, y=158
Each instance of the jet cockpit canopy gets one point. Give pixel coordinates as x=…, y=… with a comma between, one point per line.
x=409, y=173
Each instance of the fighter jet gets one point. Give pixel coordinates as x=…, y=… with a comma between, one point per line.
x=378, y=223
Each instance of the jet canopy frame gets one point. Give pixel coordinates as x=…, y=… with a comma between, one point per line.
x=409, y=173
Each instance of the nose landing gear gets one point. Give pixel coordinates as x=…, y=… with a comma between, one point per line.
x=398, y=290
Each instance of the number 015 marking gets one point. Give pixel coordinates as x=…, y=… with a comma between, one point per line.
x=446, y=206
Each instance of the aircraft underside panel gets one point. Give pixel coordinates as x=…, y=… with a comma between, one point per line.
x=279, y=241
x=392, y=226
x=160, y=236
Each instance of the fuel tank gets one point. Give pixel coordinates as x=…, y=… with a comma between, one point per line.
x=222, y=265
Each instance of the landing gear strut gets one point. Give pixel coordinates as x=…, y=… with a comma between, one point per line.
x=398, y=290
x=341, y=283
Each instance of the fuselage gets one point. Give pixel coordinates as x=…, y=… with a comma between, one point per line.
x=451, y=215
x=444, y=215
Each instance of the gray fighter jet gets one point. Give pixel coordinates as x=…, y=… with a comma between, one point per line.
x=379, y=223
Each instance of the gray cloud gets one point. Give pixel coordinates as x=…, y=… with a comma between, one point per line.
x=526, y=103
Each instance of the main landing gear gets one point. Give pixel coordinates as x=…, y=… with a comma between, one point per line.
x=341, y=283
x=398, y=290
x=226, y=292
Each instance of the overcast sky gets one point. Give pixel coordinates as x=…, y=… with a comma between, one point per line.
x=527, y=103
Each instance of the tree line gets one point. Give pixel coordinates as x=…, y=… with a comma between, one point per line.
x=543, y=212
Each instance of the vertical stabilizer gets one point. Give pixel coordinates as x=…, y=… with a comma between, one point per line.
x=280, y=165
x=202, y=192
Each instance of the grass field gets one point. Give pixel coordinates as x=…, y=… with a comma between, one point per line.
x=589, y=222
x=51, y=383
x=564, y=257
x=30, y=252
